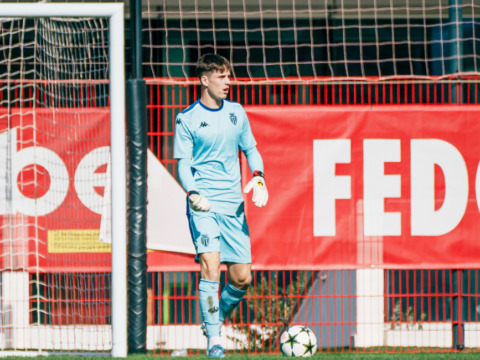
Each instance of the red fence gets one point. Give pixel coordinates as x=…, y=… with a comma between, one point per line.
x=423, y=310
x=430, y=309
x=166, y=99
x=427, y=309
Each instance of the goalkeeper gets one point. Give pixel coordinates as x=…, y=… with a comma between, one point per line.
x=208, y=137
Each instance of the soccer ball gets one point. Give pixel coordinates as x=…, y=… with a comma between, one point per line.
x=298, y=341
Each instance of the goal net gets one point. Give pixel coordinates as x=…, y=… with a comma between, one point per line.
x=305, y=40
x=272, y=44
x=56, y=105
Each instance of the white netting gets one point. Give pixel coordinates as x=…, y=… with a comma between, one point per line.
x=54, y=146
x=310, y=39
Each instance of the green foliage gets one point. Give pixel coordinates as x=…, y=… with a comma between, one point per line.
x=407, y=319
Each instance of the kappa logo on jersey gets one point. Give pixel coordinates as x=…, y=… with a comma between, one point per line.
x=203, y=124
x=233, y=118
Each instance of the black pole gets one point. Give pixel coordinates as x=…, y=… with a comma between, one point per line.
x=137, y=190
x=455, y=18
x=136, y=41
x=458, y=318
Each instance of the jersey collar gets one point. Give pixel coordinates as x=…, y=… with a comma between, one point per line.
x=210, y=109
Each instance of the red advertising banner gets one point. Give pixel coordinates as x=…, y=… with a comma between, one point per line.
x=350, y=187
x=55, y=176
x=361, y=187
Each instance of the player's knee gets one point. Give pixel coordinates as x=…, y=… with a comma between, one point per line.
x=211, y=274
x=242, y=281
x=210, y=266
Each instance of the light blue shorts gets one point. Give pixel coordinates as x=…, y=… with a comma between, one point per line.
x=214, y=232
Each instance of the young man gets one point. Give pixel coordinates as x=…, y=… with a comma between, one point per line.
x=208, y=136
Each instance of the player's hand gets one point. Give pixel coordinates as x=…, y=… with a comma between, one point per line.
x=198, y=202
x=260, y=192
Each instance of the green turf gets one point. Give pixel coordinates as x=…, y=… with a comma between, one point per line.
x=341, y=356
x=327, y=356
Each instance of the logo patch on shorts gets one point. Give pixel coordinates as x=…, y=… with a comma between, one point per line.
x=205, y=239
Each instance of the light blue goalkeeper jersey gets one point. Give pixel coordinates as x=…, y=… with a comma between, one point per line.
x=211, y=138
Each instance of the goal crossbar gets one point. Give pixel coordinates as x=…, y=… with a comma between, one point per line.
x=115, y=14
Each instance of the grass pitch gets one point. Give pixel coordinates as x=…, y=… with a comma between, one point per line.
x=334, y=356
x=320, y=356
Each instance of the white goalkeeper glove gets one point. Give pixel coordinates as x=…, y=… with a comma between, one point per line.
x=198, y=202
x=260, y=192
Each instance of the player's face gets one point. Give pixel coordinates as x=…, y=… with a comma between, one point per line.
x=218, y=84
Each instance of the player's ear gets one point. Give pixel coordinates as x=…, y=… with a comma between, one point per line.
x=204, y=80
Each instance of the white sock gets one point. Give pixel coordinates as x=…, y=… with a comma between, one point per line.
x=214, y=340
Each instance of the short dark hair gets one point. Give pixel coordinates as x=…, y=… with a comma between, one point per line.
x=212, y=62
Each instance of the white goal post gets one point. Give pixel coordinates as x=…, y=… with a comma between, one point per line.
x=115, y=14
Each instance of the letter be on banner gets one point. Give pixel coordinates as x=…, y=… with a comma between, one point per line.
x=327, y=187
x=86, y=170
x=425, y=154
x=38, y=155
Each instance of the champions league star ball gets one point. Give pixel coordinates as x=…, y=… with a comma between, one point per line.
x=298, y=341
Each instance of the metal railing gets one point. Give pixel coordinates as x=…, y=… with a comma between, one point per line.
x=426, y=309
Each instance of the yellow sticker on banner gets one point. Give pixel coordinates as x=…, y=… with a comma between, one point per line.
x=75, y=241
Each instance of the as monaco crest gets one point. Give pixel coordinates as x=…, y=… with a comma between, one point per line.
x=233, y=118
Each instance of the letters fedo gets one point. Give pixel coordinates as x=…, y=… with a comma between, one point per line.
x=425, y=155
